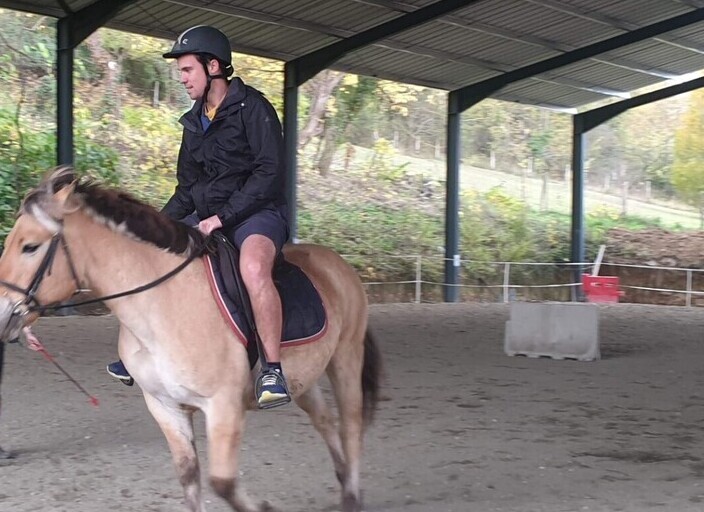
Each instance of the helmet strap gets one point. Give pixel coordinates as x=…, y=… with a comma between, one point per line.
x=209, y=77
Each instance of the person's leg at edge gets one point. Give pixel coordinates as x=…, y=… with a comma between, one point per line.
x=257, y=255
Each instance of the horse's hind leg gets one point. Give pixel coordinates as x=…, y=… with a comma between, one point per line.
x=313, y=403
x=345, y=372
x=177, y=426
x=225, y=428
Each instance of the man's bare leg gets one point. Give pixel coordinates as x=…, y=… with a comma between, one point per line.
x=257, y=256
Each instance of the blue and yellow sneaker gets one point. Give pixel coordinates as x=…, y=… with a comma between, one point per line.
x=118, y=370
x=271, y=390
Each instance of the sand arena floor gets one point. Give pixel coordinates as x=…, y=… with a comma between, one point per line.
x=462, y=427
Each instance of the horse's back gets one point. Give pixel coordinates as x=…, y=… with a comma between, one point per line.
x=318, y=260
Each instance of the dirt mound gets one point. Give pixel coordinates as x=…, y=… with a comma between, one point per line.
x=656, y=247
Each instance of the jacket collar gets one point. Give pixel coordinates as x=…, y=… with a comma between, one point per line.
x=236, y=92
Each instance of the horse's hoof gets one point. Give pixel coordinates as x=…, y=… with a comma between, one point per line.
x=267, y=507
x=351, y=504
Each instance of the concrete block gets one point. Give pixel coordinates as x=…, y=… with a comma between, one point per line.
x=561, y=330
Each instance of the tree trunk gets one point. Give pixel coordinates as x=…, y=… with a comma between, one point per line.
x=329, y=146
x=322, y=87
x=544, y=193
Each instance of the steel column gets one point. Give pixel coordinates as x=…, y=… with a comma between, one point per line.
x=64, y=94
x=452, y=199
x=70, y=31
x=291, y=145
x=577, y=230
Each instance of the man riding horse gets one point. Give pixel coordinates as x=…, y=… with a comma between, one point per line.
x=231, y=176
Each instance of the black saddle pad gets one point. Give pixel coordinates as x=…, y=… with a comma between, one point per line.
x=304, y=318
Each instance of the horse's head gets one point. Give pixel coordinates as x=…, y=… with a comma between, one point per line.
x=35, y=267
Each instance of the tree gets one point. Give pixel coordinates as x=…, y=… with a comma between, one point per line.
x=688, y=167
x=350, y=98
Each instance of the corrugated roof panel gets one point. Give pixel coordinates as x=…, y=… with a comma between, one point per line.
x=647, y=11
x=461, y=48
x=533, y=92
x=672, y=59
x=380, y=61
x=539, y=21
x=461, y=41
x=295, y=41
x=685, y=64
x=694, y=32
x=515, y=55
x=604, y=75
x=632, y=82
x=348, y=15
x=665, y=57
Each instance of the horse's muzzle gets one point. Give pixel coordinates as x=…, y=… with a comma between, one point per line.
x=12, y=318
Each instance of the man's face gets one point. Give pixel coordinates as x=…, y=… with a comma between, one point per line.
x=192, y=75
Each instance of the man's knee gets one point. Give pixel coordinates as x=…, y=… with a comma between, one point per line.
x=254, y=272
x=257, y=260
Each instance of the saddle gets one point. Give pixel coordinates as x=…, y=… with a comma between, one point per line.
x=304, y=316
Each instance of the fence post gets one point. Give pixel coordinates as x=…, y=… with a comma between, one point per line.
x=688, y=300
x=507, y=273
x=418, y=277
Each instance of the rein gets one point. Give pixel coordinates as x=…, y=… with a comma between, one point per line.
x=45, y=269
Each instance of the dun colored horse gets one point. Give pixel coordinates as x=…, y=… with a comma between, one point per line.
x=71, y=235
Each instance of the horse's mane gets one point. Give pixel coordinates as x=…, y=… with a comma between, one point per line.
x=117, y=209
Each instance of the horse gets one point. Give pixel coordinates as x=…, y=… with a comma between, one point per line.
x=72, y=234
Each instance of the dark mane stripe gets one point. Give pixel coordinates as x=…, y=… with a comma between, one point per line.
x=139, y=219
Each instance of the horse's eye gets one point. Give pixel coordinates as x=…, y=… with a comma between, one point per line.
x=30, y=248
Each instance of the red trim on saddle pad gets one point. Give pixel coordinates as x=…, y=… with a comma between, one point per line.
x=233, y=325
x=220, y=302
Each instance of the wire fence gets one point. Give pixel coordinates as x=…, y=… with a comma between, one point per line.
x=511, y=282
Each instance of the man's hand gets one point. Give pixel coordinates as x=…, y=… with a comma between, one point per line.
x=206, y=226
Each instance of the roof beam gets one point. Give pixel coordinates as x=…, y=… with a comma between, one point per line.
x=308, y=65
x=80, y=24
x=472, y=94
x=44, y=10
x=228, y=10
x=595, y=117
x=521, y=37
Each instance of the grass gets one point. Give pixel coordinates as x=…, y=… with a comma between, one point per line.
x=671, y=215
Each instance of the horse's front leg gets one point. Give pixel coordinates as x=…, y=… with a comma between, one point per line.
x=225, y=427
x=177, y=425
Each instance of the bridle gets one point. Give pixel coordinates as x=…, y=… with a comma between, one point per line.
x=30, y=304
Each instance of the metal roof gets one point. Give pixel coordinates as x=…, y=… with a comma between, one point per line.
x=476, y=42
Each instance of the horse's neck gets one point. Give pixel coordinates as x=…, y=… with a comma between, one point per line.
x=109, y=262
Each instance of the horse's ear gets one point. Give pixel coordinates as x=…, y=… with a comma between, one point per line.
x=62, y=195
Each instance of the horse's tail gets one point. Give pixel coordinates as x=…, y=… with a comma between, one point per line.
x=371, y=377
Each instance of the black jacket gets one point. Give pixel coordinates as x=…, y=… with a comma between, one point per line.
x=236, y=167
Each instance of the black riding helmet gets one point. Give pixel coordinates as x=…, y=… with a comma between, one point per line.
x=206, y=43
